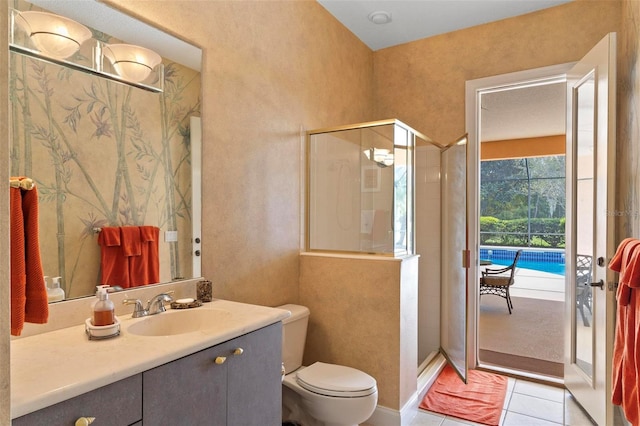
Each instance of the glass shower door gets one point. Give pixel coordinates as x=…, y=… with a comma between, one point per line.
x=453, y=322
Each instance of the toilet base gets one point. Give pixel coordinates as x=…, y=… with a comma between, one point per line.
x=293, y=412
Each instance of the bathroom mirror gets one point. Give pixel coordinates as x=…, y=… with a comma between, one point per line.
x=104, y=153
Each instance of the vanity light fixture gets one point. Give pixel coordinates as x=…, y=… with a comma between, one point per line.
x=53, y=35
x=382, y=157
x=132, y=63
x=65, y=42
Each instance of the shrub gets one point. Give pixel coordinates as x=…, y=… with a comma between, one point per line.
x=548, y=232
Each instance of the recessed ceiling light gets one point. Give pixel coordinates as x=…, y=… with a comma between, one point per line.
x=380, y=17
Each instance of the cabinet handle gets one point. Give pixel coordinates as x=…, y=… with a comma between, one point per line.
x=220, y=360
x=84, y=421
x=238, y=351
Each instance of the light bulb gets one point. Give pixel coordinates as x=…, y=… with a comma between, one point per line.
x=133, y=63
x=53, y=35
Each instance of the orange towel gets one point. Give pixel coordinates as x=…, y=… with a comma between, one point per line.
x=626, y=358
x=114, y=265
x=28, y=293
x=480, y=400
x=129, y=255
x=145, y=269
x=130, y=239
x=627, y=263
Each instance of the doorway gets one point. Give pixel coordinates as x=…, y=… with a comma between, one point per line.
x=505, y=114
x=522, y=207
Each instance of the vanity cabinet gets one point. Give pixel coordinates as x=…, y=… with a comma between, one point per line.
x=235, y=383
x=119, y=403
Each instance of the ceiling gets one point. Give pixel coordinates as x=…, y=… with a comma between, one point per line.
x=416, y=19
x=510, y=114
x=525, y=112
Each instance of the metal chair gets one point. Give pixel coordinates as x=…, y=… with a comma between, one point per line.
x=498, y=281
x=584, y=266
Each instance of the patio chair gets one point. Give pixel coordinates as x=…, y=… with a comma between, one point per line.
x=584, y=266
x=498, y=281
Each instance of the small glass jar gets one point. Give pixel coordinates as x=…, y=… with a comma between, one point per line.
x=205, y=291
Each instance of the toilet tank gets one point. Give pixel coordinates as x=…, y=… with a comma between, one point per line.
x=294, y=335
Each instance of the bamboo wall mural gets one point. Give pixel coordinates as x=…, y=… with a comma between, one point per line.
x=103, y=154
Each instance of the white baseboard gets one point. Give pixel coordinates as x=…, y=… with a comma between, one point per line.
x=430, y=374
x=384, y=416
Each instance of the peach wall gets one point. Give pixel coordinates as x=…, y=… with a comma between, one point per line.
x=364, y=315
x=271, y=71
x=527, y=147
x=432, y=72
x=628, y=148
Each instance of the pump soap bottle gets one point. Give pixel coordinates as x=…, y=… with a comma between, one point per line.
x=54, y=292
x=104, y=309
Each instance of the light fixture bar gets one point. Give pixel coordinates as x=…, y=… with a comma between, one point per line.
x=20, y=43
x=88, y=70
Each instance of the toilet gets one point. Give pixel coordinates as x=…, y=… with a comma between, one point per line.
x=321, y=394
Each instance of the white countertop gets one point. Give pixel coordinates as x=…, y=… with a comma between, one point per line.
x=52, y=367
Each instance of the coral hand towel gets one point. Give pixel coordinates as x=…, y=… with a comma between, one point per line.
x=145, y=268
x=626, y=357
x=28, y=293
x=114, y=265
x=130, y=241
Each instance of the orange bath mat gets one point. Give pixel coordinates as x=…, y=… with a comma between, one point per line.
x=480, y=400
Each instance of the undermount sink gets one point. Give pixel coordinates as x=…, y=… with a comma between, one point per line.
x=180, y=321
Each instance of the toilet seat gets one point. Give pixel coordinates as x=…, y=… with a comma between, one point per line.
x=336, y=380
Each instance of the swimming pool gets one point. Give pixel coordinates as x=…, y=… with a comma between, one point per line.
x=539, y=260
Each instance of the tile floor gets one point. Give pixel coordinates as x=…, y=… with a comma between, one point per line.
x=526, y=404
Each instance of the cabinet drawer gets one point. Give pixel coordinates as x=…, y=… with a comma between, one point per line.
x=119, y=403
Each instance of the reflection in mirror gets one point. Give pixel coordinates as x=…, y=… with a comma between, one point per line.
x=103, y=154
x=585, y=203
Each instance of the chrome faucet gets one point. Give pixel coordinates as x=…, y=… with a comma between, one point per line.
x=139, y=310
x=156, y=304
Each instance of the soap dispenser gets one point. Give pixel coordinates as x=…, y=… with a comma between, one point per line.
x=54, y=292
x=104, y=309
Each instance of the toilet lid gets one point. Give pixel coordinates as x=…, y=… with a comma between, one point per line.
x=336, y=380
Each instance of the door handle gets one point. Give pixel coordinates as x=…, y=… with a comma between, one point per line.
x=598, y=284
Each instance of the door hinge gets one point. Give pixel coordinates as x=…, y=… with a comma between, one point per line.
x=466, y=258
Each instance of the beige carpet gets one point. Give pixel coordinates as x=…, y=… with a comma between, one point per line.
x=530, y=339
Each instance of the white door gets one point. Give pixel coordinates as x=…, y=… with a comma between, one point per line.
x=589, y=315
x=455, y=256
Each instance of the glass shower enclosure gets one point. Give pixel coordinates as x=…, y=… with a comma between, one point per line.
x=360, y=195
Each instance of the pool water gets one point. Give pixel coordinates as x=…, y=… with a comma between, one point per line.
x=538, y=260
x=551, y=267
